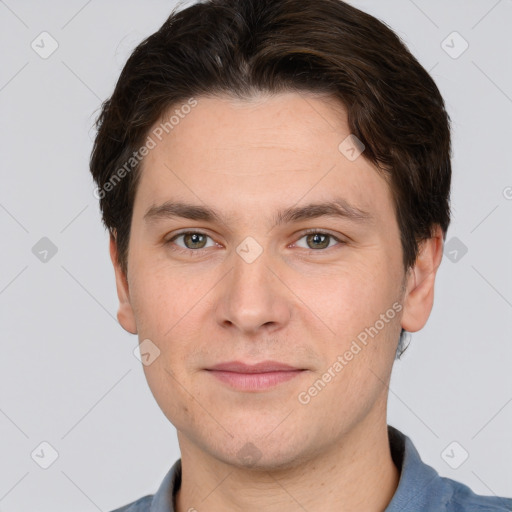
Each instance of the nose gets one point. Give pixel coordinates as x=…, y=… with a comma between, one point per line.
x=252, y=297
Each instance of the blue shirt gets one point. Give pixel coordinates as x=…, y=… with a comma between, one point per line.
x=420, y=488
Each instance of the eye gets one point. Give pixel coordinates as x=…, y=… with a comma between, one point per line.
x=317, y=240
x=192, y=240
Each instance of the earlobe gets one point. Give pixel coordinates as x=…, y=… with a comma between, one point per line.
x=419, y=294
x=125, y=314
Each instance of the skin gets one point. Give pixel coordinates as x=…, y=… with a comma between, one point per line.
x=295, y=303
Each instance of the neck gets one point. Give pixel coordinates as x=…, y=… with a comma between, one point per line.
x=355, y=474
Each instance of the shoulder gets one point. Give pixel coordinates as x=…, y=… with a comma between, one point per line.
x=422, y=488
x=458, y=497
x=141, y=505
x=163, y=499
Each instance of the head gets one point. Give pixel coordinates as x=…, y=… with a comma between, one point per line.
x=233, y=130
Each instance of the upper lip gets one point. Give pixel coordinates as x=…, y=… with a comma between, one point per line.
x=263, y=367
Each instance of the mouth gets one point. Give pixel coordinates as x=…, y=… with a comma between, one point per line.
x=255, y=377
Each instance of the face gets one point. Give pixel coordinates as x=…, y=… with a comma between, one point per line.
x=251, y=273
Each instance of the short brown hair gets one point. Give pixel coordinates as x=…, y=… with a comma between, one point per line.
x=240, y=47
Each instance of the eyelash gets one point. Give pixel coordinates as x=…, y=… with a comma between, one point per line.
x=199, y=251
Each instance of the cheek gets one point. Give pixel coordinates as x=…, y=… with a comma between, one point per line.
x=363, y=310
x=159, y=299
x=348, y=299
x=164, y=383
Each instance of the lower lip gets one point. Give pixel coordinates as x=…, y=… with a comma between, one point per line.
x=254, y=381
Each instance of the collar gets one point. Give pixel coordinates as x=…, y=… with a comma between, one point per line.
x=416, y=477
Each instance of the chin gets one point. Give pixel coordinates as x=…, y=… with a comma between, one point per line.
x=261, y=454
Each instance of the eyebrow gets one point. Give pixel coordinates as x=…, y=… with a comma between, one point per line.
x=338, y=207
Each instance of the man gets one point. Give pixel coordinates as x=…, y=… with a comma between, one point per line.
x=275, y=176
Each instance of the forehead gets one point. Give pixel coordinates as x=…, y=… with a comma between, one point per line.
x=269, y=151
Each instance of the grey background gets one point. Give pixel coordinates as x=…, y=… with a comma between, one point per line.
x=68, y=375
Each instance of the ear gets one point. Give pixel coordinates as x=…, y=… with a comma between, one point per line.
x=125, y=314
x=419, y=295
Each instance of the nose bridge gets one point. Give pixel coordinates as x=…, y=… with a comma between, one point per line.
x=253, y=296
x=251, y=270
